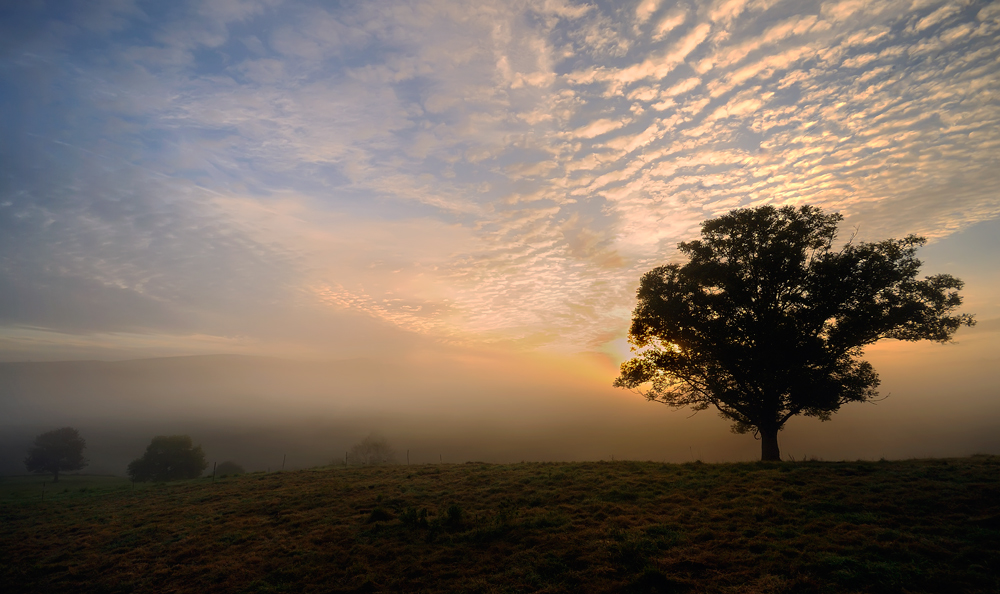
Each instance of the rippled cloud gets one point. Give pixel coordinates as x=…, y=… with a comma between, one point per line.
x=278, y=173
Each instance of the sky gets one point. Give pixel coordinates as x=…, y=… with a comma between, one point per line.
x=389, y=179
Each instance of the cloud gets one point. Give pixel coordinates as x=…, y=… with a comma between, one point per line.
x=842, y=9
x=726, y=10
x=316, y=35
x=938, y=16
x=656, y=67
x=645, y=9
x=452, y=171
x=668, y=23
x=598, y=127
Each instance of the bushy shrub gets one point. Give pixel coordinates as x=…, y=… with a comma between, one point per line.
x=379, y=515
x=454, y=518
x=412, y=517
x=229, y=467
x=56, y=451
x=373, y=450
x=168, y=458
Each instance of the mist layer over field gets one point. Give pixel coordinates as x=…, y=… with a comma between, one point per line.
x=454, y=407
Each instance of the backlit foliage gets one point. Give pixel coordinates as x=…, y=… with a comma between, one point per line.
x=767, y=320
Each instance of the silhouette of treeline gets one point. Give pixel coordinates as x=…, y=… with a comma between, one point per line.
x=908, y=526
x=170, y=457
x=167, y=457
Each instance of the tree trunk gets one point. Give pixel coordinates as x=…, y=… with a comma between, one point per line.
x=55, y=476
x=769, y=446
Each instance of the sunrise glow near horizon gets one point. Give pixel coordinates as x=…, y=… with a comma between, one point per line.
x=361, y=179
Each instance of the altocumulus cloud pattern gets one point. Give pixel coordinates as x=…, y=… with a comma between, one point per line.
x=465, y=171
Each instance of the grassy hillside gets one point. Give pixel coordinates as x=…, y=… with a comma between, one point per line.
x=911, y=526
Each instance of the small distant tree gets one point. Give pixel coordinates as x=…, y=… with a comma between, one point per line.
x=169, y=458
x=57, y=451
x=229, y=467
x=373, y=450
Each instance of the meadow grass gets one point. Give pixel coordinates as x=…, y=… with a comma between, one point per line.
x=901, y=526
x=14, y=489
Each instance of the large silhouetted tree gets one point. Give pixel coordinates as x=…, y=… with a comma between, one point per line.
x=767, y=321
x=56, y=451
x=169, y=458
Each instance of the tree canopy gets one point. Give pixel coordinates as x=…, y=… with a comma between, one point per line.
x=60, y=450
x=766, y=320
x=373, y=450
x=168, y=458
x=230, y=467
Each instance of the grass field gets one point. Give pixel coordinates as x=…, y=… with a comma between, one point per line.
x=905, y=526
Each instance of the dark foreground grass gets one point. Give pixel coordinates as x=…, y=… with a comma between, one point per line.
x=911, y=526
